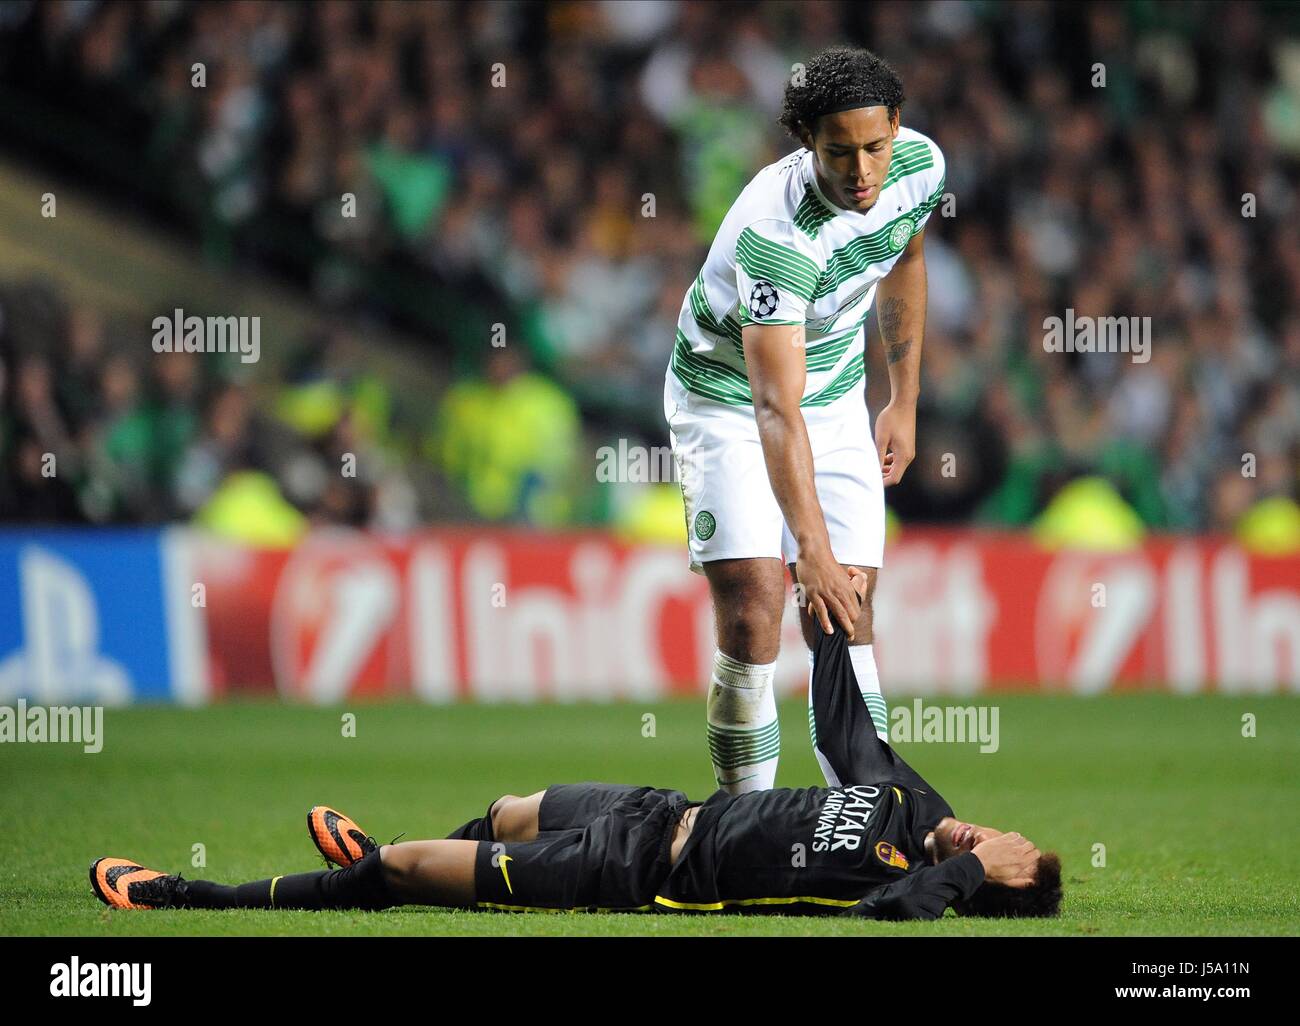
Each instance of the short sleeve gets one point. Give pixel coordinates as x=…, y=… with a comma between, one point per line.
x=936, y=178
x=775, y=279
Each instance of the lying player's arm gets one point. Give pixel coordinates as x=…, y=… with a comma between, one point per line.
x=925, y=893
x=774, y=357
x=1006, y=859
x=900, y=309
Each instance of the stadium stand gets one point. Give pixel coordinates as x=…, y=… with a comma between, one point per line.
x=498, y=183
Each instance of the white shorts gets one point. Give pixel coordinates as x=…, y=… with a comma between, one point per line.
x=731, y=512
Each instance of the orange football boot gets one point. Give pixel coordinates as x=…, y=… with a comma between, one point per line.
x=339, y=840
x=121, y=883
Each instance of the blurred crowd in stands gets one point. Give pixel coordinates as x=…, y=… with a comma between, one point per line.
x=95, y=427
x=559, y=169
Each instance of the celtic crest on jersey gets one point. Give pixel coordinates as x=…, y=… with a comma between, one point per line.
x=902, y=231
x=763, y=299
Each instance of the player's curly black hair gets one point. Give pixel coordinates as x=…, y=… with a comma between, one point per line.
x=837, y=77
x=1042, y=898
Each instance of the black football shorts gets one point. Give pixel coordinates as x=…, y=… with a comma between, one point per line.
x=600, y=847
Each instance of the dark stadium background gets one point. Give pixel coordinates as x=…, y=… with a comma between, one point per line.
x=535, y=186
x=521, y=206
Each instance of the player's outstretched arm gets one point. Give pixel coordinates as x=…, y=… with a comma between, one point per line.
x=774, y=356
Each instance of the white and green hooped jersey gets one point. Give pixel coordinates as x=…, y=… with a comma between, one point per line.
x=786, y=255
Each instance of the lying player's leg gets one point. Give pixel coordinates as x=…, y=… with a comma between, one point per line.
x=431, y=872
x=369, y=877
x=571, y=846
x=559, y=807
x=861, y=652
x=419, y=872
x=509, y=818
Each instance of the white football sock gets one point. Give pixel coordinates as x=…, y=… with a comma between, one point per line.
x=864, y=668
x=744, y=733
x=831, y=779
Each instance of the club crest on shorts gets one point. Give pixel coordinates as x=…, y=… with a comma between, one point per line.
x=763, y=299
x=902, y=231
x=890, y=855
x=705, y=525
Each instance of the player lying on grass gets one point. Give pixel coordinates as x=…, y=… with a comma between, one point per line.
x=878, y=843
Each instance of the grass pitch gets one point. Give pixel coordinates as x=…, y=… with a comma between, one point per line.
x=1200, y=825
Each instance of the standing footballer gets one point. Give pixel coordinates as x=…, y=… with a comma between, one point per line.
x=765, y=397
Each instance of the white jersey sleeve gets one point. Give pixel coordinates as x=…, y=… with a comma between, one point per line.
x=776, y=273
x=932, y=182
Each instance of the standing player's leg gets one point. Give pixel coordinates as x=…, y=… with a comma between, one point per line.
x=846, y=469
x=733, y=526
x=743, y=731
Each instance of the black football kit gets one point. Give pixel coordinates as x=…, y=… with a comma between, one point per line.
x=856, y=848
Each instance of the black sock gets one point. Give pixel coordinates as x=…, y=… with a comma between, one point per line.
x=475, y=830
x=359, y=886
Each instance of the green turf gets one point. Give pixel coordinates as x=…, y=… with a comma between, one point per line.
x=1201, y=826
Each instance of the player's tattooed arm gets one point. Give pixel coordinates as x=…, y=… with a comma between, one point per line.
x=891, y=323
x=777, y=371
x=900, y=311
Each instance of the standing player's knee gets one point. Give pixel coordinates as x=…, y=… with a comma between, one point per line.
x=751, y=635
x=809, y=627
x=748, y=600
x=862, y=626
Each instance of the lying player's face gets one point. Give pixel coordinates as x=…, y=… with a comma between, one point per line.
x=953, y=837
x=853, y=151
